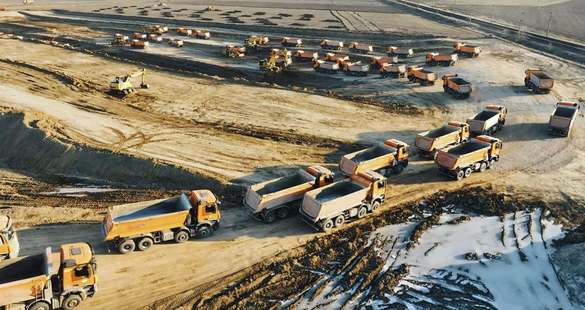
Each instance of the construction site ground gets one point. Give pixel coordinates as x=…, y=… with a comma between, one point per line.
x=69, y=150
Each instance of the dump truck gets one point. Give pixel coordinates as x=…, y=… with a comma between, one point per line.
x=122, y=86
x=234, y=51
x=434, y=59
x=489, y=120
x=452, y=133
x=393, y=70
x=276, y=199
x=201, y=34
x=356, y=69
x=155, y=38
x=339, y=59
x=142, y=224
x=255, y=40
x=356, y=47
x=184, y=31
x=277, y=61
x=379, y=61
x=307, y=56
x=156, y=29
x=391, y=156
x=138, y=44
x=292, y=42
x=9, y=246
x=176, y=42
x=456, y=86
x=331, y=45
x=326, y=66
x=477, y=154
x=468, y=50
x=120, y=40
x=538, y=81
x=332, y=205
x=562, y=119
x=400, y=52
x=139, y=36
x=420, y=75
x=51, y=280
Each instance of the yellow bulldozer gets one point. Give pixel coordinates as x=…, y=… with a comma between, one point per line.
x=278, y=61
x=122, y=85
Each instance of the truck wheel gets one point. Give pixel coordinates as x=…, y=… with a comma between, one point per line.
x=181, y=236
x=468, y=172
x=40, y=306
x=269, y=217
x=375, y=206
x=126, y=246
x=282, y=213
x=482, y=166
x=339, y=220
x=362, y=212
x=327, y=225
x=71, y=302
x=492, y=163
x=204, y=232
x=145, y=243
x=398, y=169
x=460, y=175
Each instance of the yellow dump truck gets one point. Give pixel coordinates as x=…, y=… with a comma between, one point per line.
x=276, y=199
x=332, y=205
x=489, y=120
x=255, y=40
x=390, y=156
x=468, y=50
x=60, y=280
x=140, y=225
x=562, y=119
x=538, y=81
x=478, y=154
x=434, y=59
x=9, y=246
x=331, y=45
x=456, y=86
x=452, y=133
x=421, y=76
x=393, y=70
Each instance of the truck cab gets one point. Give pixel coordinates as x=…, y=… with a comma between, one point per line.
x=205, y=206
x=502, y=111
x=464, y=129
x=78, y=268
x=9, y=246
x=401, y=149
x=496, y=145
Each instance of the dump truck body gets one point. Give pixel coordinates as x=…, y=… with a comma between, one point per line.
x=393, y=70
x=332, y=205
x=434, y=59
x=378, y=62
x=478, y=154
x=158, y=29
x=301, y=55
x=142, y=224
x=139, y=36
x=9, y=246
x=390, y=156
x=356, y=69
x=361, y=48
x=331, y=45
x=538, y=81
x=234, y=51
x=120, y=39
x=253, y=41
x=491, y=119
x=155, y=38
x=55, y=280
x=278, y=198
x=468, y=50
x=339, y=59
x=293, y=42
x=562, y=119
x=326, y=66
x=400, y=52
x=139, y=44
x=456, y=86
x=201, y=34
x=176, y=42
x=420, y=75
x=184, y=31
x=452, y=133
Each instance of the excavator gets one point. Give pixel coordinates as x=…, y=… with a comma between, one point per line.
x=122, y=85
x=277, y=61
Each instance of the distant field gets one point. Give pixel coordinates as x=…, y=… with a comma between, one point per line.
x=495, y=2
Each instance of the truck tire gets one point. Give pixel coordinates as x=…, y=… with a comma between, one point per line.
x=181, y=236
x=398, y=169
x=327, y=225
x=72, y=301
x=204, y=232
x=270, y=217
x=145, y=243
x=339, y=220
x=482, y=166
x=41, y=305
x=126, y=246
x=362, y=212
x=460, y=175
x=468, y=172
x=283, y=213
x=375, y=206
x=491, y=163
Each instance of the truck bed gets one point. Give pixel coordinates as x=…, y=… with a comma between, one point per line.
x=372, y=153
x=459, y=81
x=485, y=115
x=168, y=206
x=339, y=189
x=565, y=112
x=467, y=148
x=281, y=183
x=439, y=132
x=25, y=268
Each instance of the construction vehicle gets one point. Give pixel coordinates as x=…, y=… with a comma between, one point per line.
x=421, y=76
x=142, y=224
x=276, y=199
x=477, y=154
x=138, y=44
x=120, y=40
x=277, y=61
x=393, y=70
x=122, y=85
x=234, y=51
x=332, y=205
x=139, y=36
x=176, y=42
x=356, y=47
x=184, y=31
x=254, y=41
x=291, y=42
x=452, y=133
x=388, y=157
x=201, y=34
x=156, y=38
x=156, y=29
x=434, y=59
x=306, y=56
x=356, y=69
x=468, y=50
x=331, y=45
x=379, y=61
x=562, y=119
x=60, y=280
x=400, y=52
x=339, y=59
x=456, y=86
x=491, y=119
x=9, y=246
x=538, y=81
x=326, y=66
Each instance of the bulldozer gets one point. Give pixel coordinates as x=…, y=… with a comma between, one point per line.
x=122, y=86
x=277, y=61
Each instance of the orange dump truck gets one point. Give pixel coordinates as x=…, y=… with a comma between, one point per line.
x=139, y=44
x=379, y=61
x=176, y=42
x=184, y=31
x=292, y=42
x=201, y=34
x=562, y=119
x=400, y=52
x=330, y=206
x=139, y=36
x=331, y=45
x=478, y=154
x=60, y=280
x=450, y=134
x=120, y=39
x=234, y=51
x=434, y=59
x=9, y=246
x=356, y=47
x=421, y=76
x=393, y=70
x=456, y=86
x=468, y=50
x=278, y=198
x=339, y=59
x=156, y=38
x=158, y=29
x=489, y=120
x=390, y=156
x=538, y=81
x=140, y=225
x=308, y=56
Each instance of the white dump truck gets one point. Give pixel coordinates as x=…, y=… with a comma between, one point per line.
x=356, y=69
x=491, y=119
x=326, y=66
